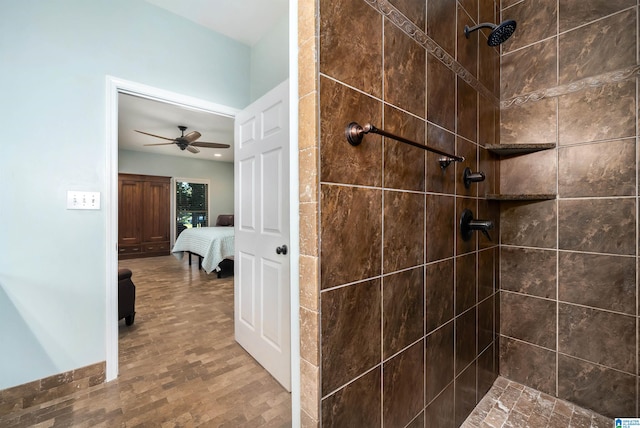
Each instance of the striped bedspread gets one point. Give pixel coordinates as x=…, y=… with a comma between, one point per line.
x=214, y=244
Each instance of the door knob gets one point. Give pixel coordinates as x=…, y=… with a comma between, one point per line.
x=281, y=250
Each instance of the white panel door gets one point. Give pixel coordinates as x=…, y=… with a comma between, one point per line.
x=262, y=294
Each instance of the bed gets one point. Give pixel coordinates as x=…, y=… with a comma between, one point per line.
x=211, y=244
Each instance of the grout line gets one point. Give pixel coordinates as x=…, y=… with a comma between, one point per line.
x=384, y=143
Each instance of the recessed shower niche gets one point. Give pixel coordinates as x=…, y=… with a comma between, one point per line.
x=526, y=188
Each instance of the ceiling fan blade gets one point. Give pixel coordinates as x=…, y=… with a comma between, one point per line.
x=191, y=136
x=192, y=149
x=159, y=144
x=157, y=136
x=210, y=145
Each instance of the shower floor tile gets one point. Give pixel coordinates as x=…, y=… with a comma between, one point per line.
x=509, y=404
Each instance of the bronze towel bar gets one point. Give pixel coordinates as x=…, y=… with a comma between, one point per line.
x=355, y=134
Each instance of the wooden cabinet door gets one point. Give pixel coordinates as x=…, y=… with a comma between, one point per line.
x=156, y=217
x=129, y=211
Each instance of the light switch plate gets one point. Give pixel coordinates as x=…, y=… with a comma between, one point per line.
x=77, y=200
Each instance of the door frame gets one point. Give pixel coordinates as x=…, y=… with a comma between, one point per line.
x=115, y=86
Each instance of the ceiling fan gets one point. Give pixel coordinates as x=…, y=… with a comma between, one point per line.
x=186, y=141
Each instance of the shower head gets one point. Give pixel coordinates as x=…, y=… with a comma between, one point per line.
x=499, y=33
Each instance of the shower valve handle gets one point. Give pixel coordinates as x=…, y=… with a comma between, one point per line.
x=471, y=177
x=468, y=225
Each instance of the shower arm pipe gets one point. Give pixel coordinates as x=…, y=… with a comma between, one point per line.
x=355, y=133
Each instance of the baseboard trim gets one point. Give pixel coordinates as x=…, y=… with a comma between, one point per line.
x=40, y=391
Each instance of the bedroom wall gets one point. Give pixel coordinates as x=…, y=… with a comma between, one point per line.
x=56, y=56
x=220, y=174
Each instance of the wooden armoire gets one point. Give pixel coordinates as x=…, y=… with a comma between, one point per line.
x=143, y=215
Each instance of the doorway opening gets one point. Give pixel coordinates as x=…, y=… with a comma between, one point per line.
x=116, y=87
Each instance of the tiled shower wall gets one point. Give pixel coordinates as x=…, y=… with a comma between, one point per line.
x=398, y=323
x=569, y=312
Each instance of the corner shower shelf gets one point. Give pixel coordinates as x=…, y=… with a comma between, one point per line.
x=518, y=149
x=522, y=197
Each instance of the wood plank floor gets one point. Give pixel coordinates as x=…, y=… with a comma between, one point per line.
x=179, y=363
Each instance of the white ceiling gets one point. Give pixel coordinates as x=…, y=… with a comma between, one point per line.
x=244, y=20
x=163, y=119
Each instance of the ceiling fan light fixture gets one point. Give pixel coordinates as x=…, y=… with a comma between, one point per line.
x=187, y=142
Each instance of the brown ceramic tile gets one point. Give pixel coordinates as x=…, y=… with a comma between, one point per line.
x=530, y=224
x=583, y=50
x=440, y=412
x=462, y=246
x=404, y=165
x=574, y=13
x=489, y=66
x=597, y=225
x=466, y=333
x=440, y=360
x=469, y=151
x=465, y=282
x=487, y=113
x=601, y=281
x=404, y=67
x=339, y=161
x=403, y=390
x=465, y=386
x=439, y=294
x=467, y=52
x=537, y=21
x=358, y=404
x=439, y=180
x=529, y=123
x=359, y=41
x=535, y=173
x=471, y=8
x=528, y=271
x=350, y=333
x=609, y=392
x=591, y=334
x=487, y=372
x=485, y=323
x=440, y=227
x=417, y=422
x=415, y=11
x=528, y=318
x=404, y=232
x=598, y=169
x=351, y=234
x=441, y=23
x=441, y=102
x=467, y=111
x=528, y=364
x=602, y=113
x=403, y=310
x=529, y=69
x=486, y=273
x=487, y=11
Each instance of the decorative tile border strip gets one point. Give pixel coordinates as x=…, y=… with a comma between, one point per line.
x=589, y=82
x=411, y=30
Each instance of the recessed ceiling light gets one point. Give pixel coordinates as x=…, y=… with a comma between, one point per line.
x=217, y=155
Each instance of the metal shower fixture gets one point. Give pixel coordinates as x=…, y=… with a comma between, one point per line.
x=499, y=33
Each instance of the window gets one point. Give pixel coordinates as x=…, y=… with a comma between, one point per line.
x=192, y=205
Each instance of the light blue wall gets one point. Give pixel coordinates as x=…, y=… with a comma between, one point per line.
x=54, y=57
x=220, y=174
x=270, y=59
